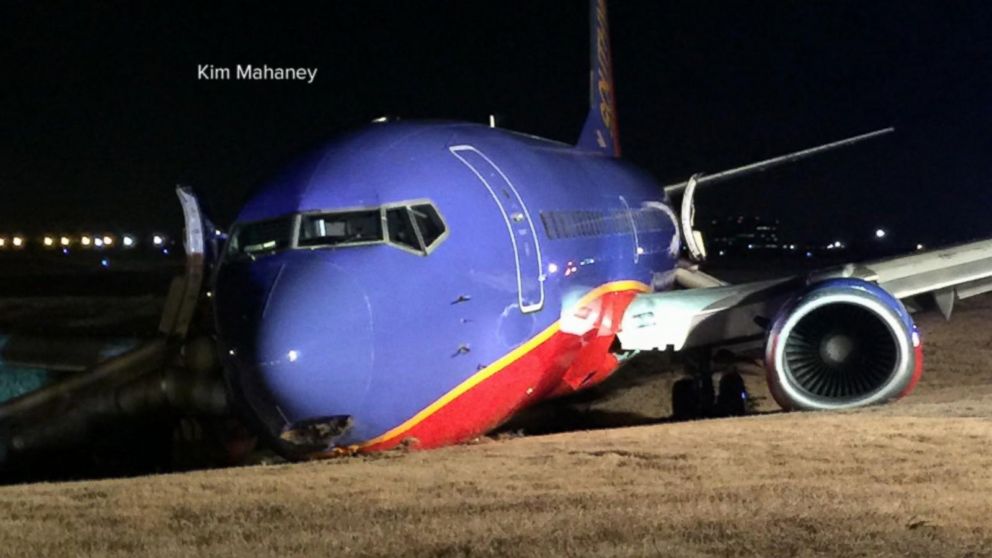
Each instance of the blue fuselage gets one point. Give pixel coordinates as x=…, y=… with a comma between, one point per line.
x=380, y=333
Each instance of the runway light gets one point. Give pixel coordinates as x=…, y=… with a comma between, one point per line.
x=919, y=246
x=293, y=355
x=128, y=241
x=17, y=241
x=48, y=241
x=158, y=240
x=552, y=268
x=85, y=240
x=880, y=233
x=108, y=240
x=65, y=241
x=105, y=263
x=3, y=242
x=98, y=242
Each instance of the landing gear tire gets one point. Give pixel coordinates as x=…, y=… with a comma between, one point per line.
x=733, y=396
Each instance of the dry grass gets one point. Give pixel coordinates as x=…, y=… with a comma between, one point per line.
x=908, y=479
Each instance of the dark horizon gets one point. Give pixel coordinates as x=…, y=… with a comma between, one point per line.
x=102, y=112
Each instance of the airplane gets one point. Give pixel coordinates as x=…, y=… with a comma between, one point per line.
x=417, y=284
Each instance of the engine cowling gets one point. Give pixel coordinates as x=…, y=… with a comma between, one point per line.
x=843, y=343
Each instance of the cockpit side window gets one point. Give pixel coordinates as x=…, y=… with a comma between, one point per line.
x=415, y=226
x=262, y=237
x=401, y=229
x=332, y=229
x=429, y=222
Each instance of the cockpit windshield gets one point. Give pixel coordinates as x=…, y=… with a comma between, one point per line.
x=332, y=229
x=415, y=227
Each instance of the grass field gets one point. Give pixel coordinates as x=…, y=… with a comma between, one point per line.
x=910, y=479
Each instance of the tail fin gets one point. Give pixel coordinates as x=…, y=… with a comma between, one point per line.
x=600, y=132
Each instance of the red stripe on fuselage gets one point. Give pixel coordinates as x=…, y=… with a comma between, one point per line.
x=574, y=356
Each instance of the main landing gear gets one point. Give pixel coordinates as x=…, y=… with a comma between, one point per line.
x=695, y=397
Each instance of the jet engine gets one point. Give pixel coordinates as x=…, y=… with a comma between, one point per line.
x=843, y=343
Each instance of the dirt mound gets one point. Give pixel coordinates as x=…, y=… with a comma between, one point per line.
x=907, y=479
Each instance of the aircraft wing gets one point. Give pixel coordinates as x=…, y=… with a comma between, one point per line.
x=710, y=313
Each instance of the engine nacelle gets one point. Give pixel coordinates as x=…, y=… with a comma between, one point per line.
x=843, y=343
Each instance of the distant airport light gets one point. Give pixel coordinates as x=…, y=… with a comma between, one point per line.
x=552, y=268
x=85, y=240
x=65, y=241
x=3, y=242
x=919, y=246
x=98, y=242
x=880, y=233
x=128, y=241
x=17, y=241
x=108, y=240
x=48, y=241
x=105, y=263
x=158, y=240
x=65, y=251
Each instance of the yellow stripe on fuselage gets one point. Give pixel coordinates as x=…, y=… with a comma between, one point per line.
x=502, y=363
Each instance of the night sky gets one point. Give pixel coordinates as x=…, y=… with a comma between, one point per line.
x=101, y=112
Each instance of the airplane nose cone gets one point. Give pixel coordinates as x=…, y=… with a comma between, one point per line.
x=304, y=350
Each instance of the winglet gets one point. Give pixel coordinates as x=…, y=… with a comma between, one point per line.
x=600, y=132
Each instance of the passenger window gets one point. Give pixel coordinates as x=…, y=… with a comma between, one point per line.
x=429, y=222
x=401, y=228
